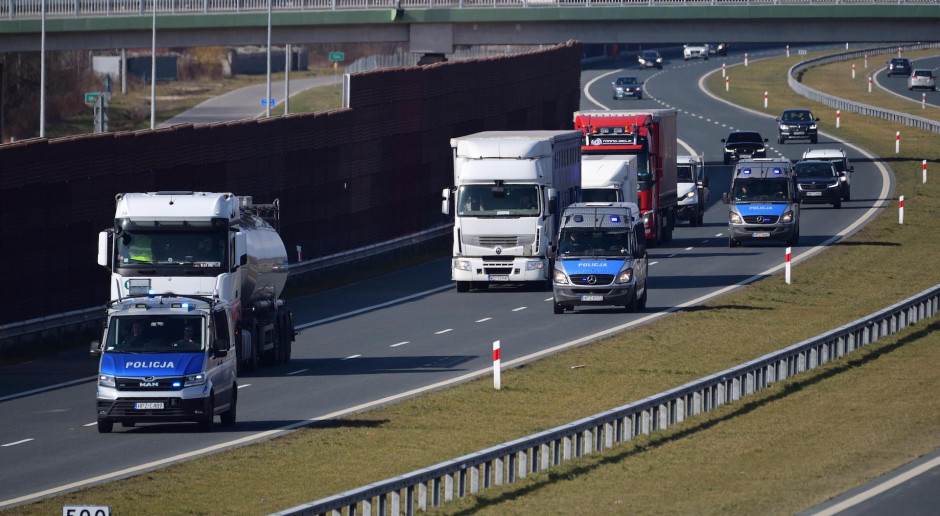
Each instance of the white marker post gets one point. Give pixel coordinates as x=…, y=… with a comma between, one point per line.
x=496, y=379
x=866, y=61
x=788, y=50
x=869, y=84
x=765, y=100
x=723, y=69
x=925, y=172
x=853, y=70
x=901, y=210
x=745, y=59
x=838, y=116
x=923, y=101
x=787, y=274
x=897, y=143
x=726, y=83
x=300, y=253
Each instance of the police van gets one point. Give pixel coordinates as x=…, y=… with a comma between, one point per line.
x=601, y=257
x=764, y=202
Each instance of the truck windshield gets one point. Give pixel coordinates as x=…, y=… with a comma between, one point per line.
x=762, y=190
x=685, y=173
x=576, y=242
x=155, y=334
x=156, y=248
x=601, y=195
x=498, y=201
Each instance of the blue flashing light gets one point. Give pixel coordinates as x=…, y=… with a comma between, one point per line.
x=777, y=171
x=578, y=218
x=151, y=293
x=746, y=171
x=615, y=219
x=185, y=306
x=177, y=385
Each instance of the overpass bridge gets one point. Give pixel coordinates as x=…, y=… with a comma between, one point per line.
x=438, y=26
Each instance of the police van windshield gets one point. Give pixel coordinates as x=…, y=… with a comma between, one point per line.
x=155, y=249
x=762, y=190
x=576, y=242
x=498, y=201
x=148, y=334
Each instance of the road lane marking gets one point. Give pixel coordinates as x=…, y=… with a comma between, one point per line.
x=443, y=331
x=350, y=357
x=484, y=319
x=399, y=344
x=519, y=309
x=292, y=373
x=15, y=443
x=880, y=488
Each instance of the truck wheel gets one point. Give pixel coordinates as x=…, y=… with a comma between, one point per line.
x=228, y=417
x=559, y=309
x=463, y=286
x=205, y=423
x=105, y=426
x=252, y=356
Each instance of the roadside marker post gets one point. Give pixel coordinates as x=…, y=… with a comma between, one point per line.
x=923, y=101
x=726, y=83
x=723, y=70
x=765, y=100
x=925, y=172
x=866, y=61
x=901, y=210
x=496, y=379
x=300, y=253
x=897, y=143
x=869, y=84
x=788, y=50
x=787, y=275
x=745, y=59
x=838, y=117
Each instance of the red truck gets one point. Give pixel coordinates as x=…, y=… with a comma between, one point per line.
x=651, y=136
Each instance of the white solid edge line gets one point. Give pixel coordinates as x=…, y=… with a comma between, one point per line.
x=880, y=488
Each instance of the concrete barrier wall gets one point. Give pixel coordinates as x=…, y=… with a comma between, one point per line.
x=345, y=178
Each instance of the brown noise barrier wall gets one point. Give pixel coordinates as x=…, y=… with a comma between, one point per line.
x=345, y=178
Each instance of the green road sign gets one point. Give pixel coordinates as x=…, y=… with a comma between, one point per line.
x=337, y=56
x=91, y=98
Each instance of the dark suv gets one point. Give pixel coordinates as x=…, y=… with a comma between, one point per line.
x=796, y=124
x=899, y=66
x=742, y=145
x=818, y=181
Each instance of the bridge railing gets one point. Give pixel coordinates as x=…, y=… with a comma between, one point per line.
x=857, y=107
x=514, y=460
x=11, y=9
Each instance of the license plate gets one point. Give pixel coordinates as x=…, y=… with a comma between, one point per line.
x=761, y=234
x=499, y=277
x=149, y=406
x=592, y=297
x=798, y=132
x=814, y=194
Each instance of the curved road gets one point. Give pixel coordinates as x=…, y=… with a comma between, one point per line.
x=373, y=343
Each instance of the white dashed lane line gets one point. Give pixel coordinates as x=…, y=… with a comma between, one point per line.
x=399, y=344
x=17, y=442
x=443, y=331
x=350, y=357
x=484, y=319
x=519, y=309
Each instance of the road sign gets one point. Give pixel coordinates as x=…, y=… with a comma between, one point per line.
x=272, y=101
x=91, y=98
x=337, y=56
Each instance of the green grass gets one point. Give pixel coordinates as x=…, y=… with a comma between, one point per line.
x=783, y=450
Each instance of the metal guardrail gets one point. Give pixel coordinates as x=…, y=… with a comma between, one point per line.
x=514, y=460
x=78, y=8
x=856, y=107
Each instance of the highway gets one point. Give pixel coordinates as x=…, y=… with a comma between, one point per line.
x=372, y=343
x=897, y=85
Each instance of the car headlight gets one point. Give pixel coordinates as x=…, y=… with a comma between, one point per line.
x=462, y=265
x=783, y=127
x=659, y=60
x=625, y=276
x=736, y=218
x=106, y=380
x=812, y=127
x=560, y=277
x=619, y=89
x=787, y=217
x=833, y=185
x=533, y=266
x=642, y=61
x=195, y=379
x=690, y=195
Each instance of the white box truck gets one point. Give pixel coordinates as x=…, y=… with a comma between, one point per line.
x=608, y=178
x=509, y=189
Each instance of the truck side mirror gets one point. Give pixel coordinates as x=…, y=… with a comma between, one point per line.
x=241, y=250
x=104, y=248
x=220, y=348
x=95, y=349
x=705, y=182
x=445, y=203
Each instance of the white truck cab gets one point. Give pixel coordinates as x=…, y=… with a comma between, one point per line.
x=693, y=190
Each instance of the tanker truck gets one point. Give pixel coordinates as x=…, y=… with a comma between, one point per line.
x=209, y=262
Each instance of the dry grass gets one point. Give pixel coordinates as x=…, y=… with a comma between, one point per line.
x=781, y=451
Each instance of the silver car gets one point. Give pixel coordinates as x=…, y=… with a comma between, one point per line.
x=922, y=79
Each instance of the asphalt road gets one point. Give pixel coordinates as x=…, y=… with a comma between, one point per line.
x=897, y=85
x=372, y=343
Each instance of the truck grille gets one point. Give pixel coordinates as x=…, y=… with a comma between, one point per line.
x=499, y=241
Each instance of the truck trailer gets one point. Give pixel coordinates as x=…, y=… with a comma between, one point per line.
x=509, y=189
x=651, y=136
x=211, y=262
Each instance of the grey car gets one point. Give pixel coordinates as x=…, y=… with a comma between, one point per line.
x=922, y=79
x=628, y=86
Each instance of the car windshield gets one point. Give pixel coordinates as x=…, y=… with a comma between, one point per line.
x=498, y=201
x=762, y=190
x=745, y=137
x=155, y=334
x=627, y=80
x=685, y=173
x=587, y=242
x=797, y=116
x=815, y=170
x=650, y=55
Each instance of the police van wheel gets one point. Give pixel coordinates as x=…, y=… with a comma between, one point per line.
x=641, y=302
x=105, y=426
x=559, y=309
x=228, y=417
x=630, y=307
x=205, y=423
x=732, y=242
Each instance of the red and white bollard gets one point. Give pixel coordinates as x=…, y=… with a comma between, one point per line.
x=723, y=69
x=866, y=61
x=838, y=117
x=496, y=379
x=897, y=143
x=787, y=269
x=300, y=254
x=745, y=59
x=788, y=50
x=925, y=172
x=726, y=83
x=923, y=101
x=901, y=210
x=869, y=84
x=853, y=70
x=765, y=100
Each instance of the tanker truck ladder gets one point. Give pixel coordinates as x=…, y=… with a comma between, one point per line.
x=270, y=213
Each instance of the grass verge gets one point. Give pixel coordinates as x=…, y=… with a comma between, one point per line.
x=786, y=449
